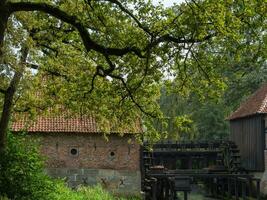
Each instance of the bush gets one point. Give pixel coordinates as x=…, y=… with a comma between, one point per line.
x=21, y=171
x=97, y=193
x=3, y=198
x=62, y=192
x=84, y=193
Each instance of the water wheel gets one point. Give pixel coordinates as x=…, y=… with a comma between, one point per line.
x=231, y=157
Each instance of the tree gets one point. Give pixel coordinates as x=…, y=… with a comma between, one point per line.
x=114, y=53
x=192, y=118
x=240, y=64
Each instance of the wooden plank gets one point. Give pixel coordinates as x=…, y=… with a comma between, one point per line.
x=248, y=133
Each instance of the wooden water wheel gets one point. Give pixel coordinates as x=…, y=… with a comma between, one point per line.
x=230, y=157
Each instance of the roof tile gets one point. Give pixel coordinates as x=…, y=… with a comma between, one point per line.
x=255, y=104
x=61, y=123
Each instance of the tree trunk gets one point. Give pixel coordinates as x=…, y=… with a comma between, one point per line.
x=3, y=24
x=8, y=100
x=6, y=113
x=4, y=14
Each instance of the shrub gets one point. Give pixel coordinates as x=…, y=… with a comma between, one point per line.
x=3, y=198
x=62, y=192
x=84, y=193
x=96, y=193
x=21, y=171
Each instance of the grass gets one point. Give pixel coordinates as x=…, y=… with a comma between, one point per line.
x=84, y=193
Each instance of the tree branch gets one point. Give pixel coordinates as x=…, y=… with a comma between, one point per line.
x=200, y=68
x=49, y=71
x=57, y=74
x=2, y=91
x=169, y=38
x=92, y=84
x=85, y=36
x=108, y=72
x=116, y=2
x=131, y=95
x=74, y=21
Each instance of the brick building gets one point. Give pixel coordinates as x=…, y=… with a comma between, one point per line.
x=248, y=125
x=77, y=151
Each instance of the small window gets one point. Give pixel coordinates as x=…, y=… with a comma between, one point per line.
x=112, y=154
x=74, y=151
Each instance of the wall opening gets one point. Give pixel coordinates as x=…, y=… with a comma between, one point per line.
x=112, y=154
x=74, y=151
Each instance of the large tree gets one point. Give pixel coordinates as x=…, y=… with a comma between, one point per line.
x=107, y=56
x=240, y=64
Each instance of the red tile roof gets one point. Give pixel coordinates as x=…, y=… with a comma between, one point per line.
x=255, y=104
x=56, y=124
x=61, y=124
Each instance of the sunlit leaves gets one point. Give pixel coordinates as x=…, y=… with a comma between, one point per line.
x=188, y=47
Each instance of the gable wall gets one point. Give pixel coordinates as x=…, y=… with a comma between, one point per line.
x=95, y=164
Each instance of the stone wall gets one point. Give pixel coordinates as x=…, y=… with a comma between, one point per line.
x=118, y=181
x=90, y=159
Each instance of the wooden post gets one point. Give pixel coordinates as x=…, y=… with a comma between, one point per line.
x=215, y=184
x=185, y=195
x=243, y=187
x=236, y=190
x=154, y=189
x=258, y=189
x=190, y=163
x=250, y=187
x=212, y=187
x=229, y=188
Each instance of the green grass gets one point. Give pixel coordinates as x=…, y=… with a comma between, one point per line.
x=85, y=193
x=62, y=192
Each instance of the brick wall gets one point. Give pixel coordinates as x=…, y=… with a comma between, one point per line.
x=114, y=163
x=119, y=153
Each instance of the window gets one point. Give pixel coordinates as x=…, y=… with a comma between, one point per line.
x=112, y=154
x=74, y=151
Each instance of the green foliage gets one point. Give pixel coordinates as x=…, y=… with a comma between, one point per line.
x=21, y=171
x=202, y=46
x=216, y=76
x=211, y=121
x=190, y=117
x=62, y=192
x=240, y=87
x=3, y=198
x=184, y=127
x=84, y=193
x=98, y=193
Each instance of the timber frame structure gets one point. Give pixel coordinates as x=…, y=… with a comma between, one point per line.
x=169, y=167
